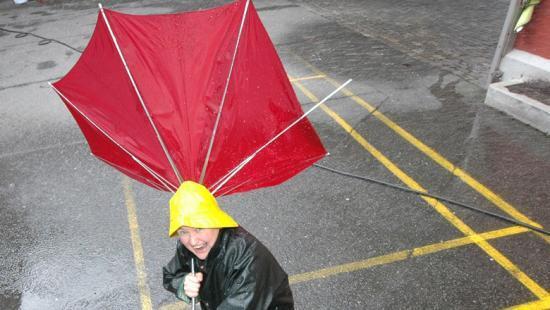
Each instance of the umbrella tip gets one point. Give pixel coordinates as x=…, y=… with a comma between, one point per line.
x=100, y=6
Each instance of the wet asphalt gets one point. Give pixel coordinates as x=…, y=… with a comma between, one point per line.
x=65, y=238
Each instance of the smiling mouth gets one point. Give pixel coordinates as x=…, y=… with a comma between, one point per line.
x=200, y=248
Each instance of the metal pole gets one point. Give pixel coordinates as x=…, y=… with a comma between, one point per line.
x=505, y=41
x=234, y=171
x=161, y=141
x=193, y=272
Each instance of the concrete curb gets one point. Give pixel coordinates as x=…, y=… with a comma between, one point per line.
x=521, y=107
x=518, y=64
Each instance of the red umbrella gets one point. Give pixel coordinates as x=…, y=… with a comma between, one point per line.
x=198, y=96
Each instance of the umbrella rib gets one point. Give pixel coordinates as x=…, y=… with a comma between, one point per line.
x=212, y=137
x=221, y=182
x=161, y=141
x=137, y=160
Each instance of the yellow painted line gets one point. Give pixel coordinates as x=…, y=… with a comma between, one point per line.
x=535, y=305
x=403, y=255
x=495, y=234
x=536, y=289
x=144, y=292
x=179, y=305
x=435, y=156
x=323, y=273
x=305, y=78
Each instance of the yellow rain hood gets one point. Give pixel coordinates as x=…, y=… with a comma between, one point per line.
x=194, y=206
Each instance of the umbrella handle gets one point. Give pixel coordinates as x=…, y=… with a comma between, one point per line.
x=193, y=273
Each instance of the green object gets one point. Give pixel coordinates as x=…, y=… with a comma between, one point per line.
x=526, y=14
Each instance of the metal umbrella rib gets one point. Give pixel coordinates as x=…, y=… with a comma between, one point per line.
x=157, y=176
x=161, y=141
x=215, y=129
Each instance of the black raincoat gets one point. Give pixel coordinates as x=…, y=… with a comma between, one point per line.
x=239, y=273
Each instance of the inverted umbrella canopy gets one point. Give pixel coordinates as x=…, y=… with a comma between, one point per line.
x=189, y=96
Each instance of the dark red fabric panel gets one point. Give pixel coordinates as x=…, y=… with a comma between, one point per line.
x=260, y=104
x=110, y=153
x=99, y=87
x=181, y=62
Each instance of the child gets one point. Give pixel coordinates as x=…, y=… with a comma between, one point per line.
x=233, y=270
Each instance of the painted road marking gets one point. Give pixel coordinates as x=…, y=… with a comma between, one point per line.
x=535, y=288
x=404, y=255
x=179, y=305
x=144, y=292
x=305, y=78
x=535, y=305
x=438, y=158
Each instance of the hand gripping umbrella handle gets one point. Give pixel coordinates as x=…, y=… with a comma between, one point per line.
x=193, y=273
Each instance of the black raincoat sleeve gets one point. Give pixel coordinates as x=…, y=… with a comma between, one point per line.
x=257, y=282
x=174, y=273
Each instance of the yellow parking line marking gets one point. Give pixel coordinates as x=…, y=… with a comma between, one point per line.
x=364, y=264
x=305, y=78
x=403, y=255
x=495, y=234
x=535, y=305
x=178, y=305
x=144, y=292
x=442, y=161
x=536, y=289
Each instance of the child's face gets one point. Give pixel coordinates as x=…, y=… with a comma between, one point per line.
x=198, y=240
